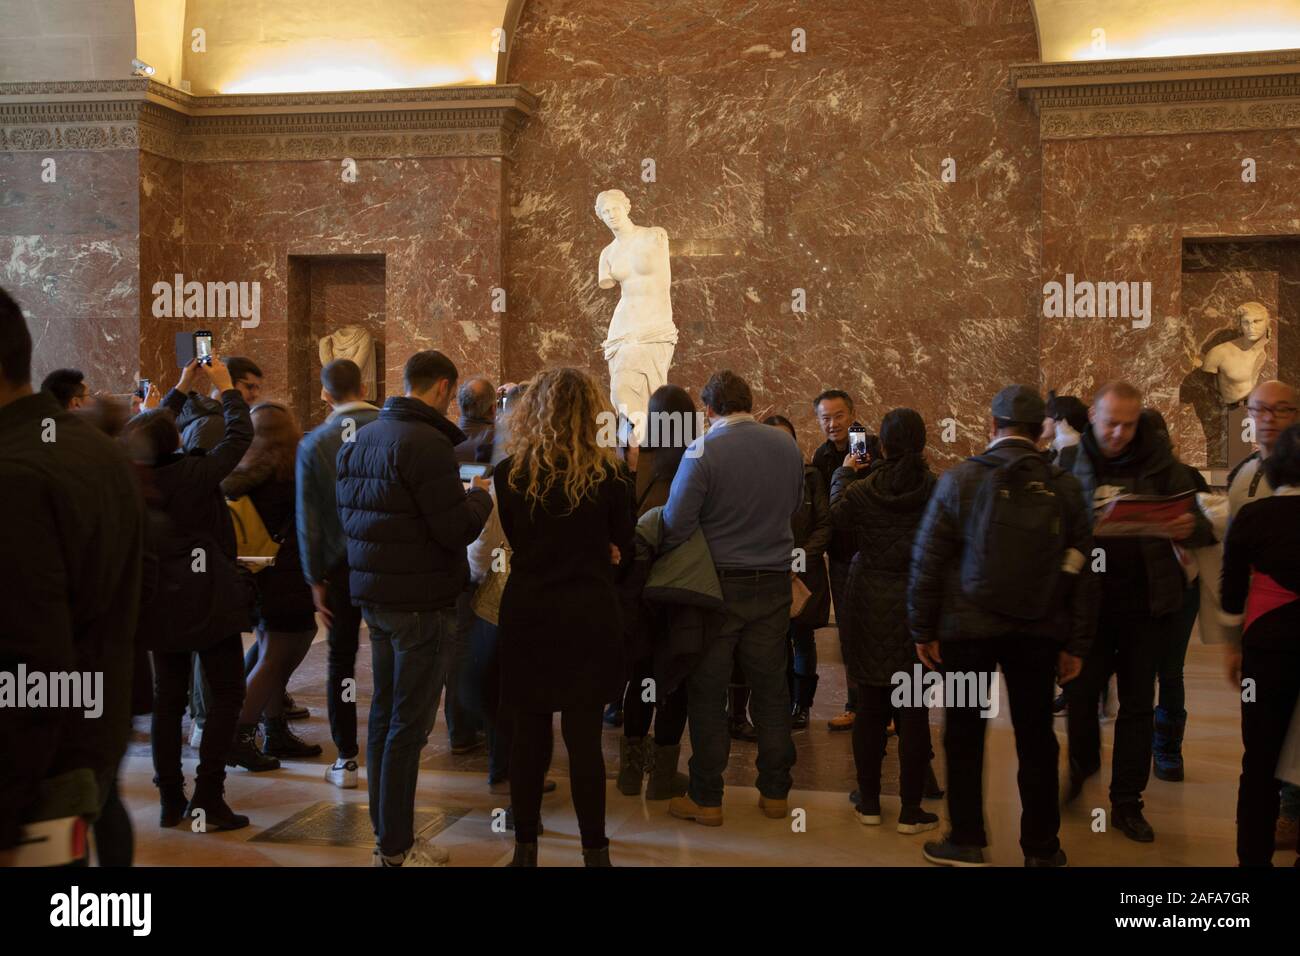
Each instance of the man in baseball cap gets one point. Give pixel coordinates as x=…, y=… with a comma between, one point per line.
x=999, y=579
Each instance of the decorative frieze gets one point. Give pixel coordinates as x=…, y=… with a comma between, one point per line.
x=1163, y=96
x=140, y=113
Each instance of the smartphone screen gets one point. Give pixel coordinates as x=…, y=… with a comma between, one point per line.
x=858, y=443
x=473, y=469
x=203, y=347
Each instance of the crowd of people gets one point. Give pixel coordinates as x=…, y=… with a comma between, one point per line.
x=517, y=564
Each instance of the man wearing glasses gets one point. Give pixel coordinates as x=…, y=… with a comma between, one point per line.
x=1272, y=407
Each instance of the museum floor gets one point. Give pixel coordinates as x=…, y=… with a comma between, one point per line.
x=298, y=819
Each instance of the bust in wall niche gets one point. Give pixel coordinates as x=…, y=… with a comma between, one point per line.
x=1237, y=363
x=352, y=342
x=641, y=337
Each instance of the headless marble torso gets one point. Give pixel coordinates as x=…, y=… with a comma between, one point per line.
x=638, y=262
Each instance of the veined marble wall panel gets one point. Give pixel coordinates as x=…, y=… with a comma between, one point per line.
x=775, y=171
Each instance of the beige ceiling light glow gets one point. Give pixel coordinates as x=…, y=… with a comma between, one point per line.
x=287, y=46
x=1129, y=29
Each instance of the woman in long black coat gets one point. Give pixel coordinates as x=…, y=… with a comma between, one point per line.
x=883, y=510
x=566, y=509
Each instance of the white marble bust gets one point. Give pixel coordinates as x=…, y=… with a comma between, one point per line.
x=1237, y=364
x=639, y=343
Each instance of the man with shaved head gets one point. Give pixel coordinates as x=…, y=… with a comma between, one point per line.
x=1272, y=406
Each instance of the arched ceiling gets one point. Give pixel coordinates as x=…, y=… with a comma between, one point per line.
x=1068, y=29
x=307, y=45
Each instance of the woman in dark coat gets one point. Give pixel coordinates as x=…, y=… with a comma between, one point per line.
x=672, y=422
x=286, y=613
x=811, y=525
x=883, y=510
x=566, y=508
x=191, y=509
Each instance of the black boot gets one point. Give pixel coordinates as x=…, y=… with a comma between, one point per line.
x=1128, y=820
x=631, y=765
x=208, y=812
x=283, y=742
x=596, y=857
x=932, y=789
x=173, y=800
x=525, y=855
x=245, y=752
x=1167, y=745
x=665, y=782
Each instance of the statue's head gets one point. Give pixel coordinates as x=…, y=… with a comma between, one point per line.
x=1252, y=319
x=613, y=207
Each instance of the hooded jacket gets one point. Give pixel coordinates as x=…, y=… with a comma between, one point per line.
x=404, y=511
x=189, y=483
x=882, y=513
x=1141, y=572
x=198, y=418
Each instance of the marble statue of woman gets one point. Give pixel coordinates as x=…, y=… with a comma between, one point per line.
x=641, y=337
x=351, y=342
x=1236, y=364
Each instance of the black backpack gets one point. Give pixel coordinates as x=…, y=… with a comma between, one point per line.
x=1012, y=558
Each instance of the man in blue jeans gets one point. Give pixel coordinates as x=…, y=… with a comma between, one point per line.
x=323, y=551
x=408, y=521
x=739, y=484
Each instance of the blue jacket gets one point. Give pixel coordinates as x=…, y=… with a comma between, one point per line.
x=739, y=483
x=404, y=511
x=321, y=544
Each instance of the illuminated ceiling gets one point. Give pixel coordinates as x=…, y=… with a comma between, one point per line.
x=1127, y=29
x=299, y=46
x=316, y=45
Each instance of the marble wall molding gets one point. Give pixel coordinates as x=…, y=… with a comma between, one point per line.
x=1164, y=96
x=439, y=122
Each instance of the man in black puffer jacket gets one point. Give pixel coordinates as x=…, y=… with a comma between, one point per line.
x=1142, y=592
x=408, y=521
x=964, y=638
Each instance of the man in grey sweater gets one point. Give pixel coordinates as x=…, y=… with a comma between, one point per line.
x=739, y=484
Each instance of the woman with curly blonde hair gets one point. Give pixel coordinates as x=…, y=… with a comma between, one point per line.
x=566, y=508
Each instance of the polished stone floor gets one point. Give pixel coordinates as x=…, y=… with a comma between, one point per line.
x=297, y=820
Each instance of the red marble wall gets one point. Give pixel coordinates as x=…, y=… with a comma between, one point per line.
x=779, y=170
x=331, y=293
x=436, y=223
x=162, y=237
x=1124, y=209
x=69, y=255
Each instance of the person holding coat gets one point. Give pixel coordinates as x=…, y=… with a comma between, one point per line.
x=566, y=509
x=882, y=509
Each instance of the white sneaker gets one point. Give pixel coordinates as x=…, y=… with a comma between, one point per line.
x=343, y=774
x=421, y=853
x=196, y=736
x=424, y=853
